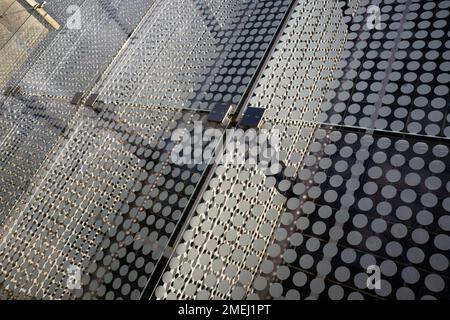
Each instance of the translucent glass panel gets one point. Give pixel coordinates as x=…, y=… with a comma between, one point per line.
x=13, y=16
x=349, y=200
x=362, y=200
x=108, y=201
x=194, y=53
x=29, y=129
x=80, y=52
x=59, y=9
x=228, y=237
x=96, y=189
x=20, y=33
x=296, y=79
x=347, y=197
x=404, y=71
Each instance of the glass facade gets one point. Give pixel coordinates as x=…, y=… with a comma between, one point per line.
x=98, y=96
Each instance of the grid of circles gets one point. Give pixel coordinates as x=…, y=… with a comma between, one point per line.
x=163, y=58
x=405, y=201
x=228, y=234
x=29, y=128
x=304, y=197
x=118, y=251
x=296, y=78
x=194, y=54
x=63, y=220
x=395, y=215
x=108, y=201
x=20, y=32
x=76, y=57
x=347, y=67
x=353, y=6
x=148, y=217
x=58, y=11
x=404, y=72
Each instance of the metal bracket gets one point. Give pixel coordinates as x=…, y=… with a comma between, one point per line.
x=219, y=113
x=252, y=117
x=91, y=99
x=11, y=91
x=76, y=100
x=7, y=91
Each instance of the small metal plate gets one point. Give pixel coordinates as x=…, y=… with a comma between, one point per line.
x=219, y=113
x=91, y=100
x=252, y=117
x=15, y=91
x=8, y=91
x=76, y=100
